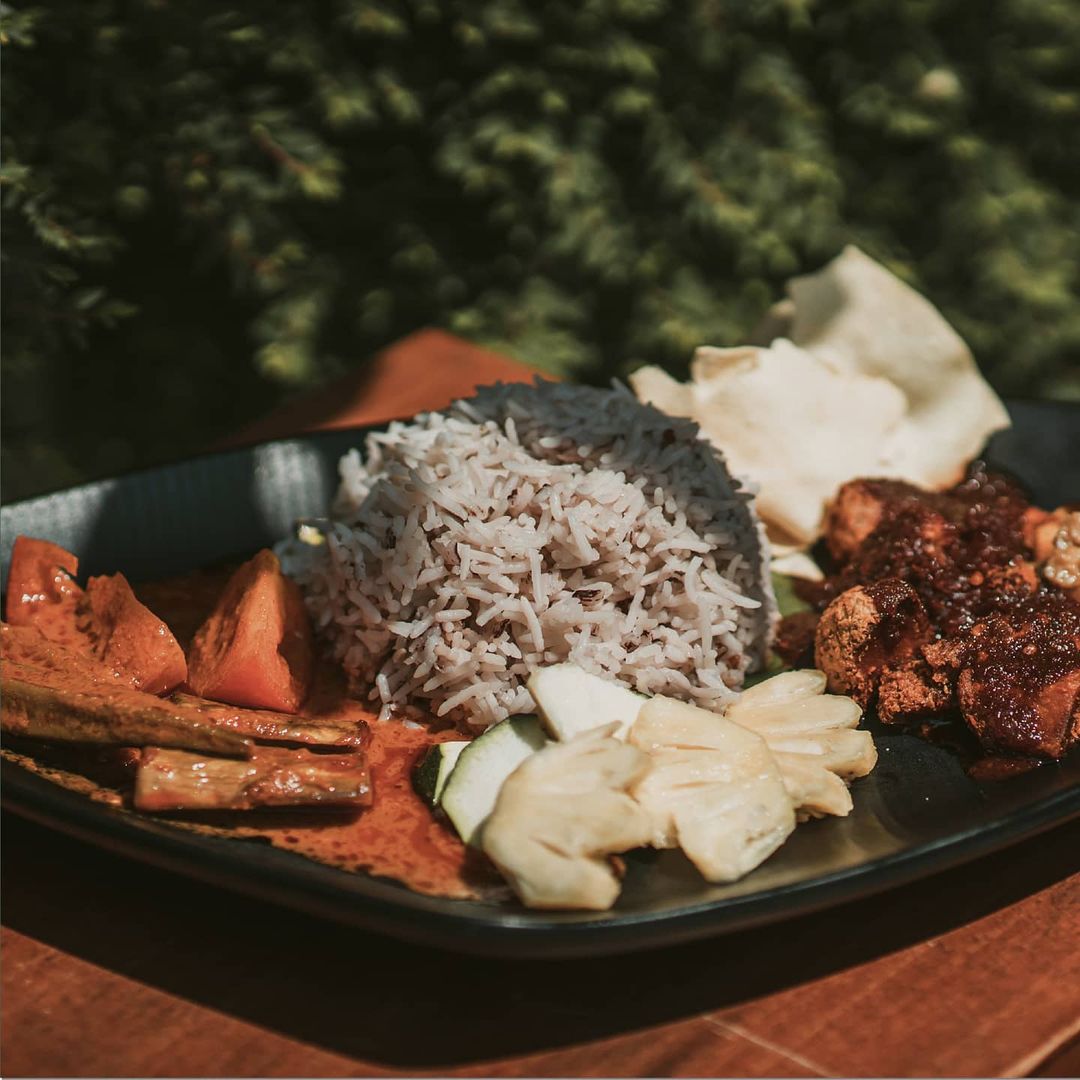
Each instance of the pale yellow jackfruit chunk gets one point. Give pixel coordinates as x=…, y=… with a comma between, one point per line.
x=714, y=789
x=559, y=816
x=813, y=737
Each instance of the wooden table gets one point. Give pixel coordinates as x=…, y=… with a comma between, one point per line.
x=111, y=968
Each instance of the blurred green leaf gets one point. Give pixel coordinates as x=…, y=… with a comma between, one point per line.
x=218, y=205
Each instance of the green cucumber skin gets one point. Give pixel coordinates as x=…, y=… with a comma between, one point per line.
x=425, y=777
x=526, y=727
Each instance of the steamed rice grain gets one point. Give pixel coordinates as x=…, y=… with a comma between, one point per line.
x=531, y=525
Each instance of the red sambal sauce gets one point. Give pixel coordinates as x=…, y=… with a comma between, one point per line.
x=398, y=836
x=961, y=550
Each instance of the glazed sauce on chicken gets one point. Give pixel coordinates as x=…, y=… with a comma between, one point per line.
x=1001, y=768
x=933, y=604
x=962, y=550
x=1020, y=673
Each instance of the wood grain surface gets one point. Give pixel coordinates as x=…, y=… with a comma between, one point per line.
x=111, y=968
x=426, y=370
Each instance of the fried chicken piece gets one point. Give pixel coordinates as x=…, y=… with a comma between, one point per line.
x=866, y=630
x=961, y=550
x=981, y=611
x=856, y=511
x=945, y=657
x=1046, y=724
x=1019, y=677
x=913, y=693
x=1011, y=582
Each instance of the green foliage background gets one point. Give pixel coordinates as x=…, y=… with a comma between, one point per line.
x=208, y=206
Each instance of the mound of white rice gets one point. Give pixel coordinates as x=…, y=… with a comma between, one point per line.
x=530, y=525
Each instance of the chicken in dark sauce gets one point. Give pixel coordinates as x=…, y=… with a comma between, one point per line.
x=944, y=604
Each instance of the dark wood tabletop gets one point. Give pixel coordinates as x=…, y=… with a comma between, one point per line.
x=112, y=968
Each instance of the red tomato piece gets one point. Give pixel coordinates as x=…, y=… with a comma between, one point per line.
x=105, y=621
x=40, y=576
x=128, y=637
x=256, y=647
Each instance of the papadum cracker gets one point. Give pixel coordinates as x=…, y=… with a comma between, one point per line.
x=870, y=380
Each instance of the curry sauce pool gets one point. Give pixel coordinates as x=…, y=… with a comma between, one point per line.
x=397, y=837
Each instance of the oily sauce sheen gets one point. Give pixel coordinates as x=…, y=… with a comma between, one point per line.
x=398, y=836
x=946, y=545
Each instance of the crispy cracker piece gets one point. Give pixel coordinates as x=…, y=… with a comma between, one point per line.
x=791, y=423
x=867, y=379
x=866, y=320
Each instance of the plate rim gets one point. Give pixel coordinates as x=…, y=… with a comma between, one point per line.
x=1041, y=404
x=256, y=869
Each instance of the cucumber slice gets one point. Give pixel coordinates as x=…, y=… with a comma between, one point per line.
x=571, y=701
x=430, y=776
x=470, y=793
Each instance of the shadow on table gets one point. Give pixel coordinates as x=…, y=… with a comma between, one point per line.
x=400, y=1005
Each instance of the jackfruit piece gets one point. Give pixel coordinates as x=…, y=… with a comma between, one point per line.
x=714, y=789
x=812, y=736
x=559, y=816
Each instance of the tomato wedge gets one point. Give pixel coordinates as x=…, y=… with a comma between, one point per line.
x=105, y=620
x=40, y=576
x=256, y=647
x=127, y=636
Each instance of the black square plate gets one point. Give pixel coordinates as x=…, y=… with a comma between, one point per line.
x=918, y=812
